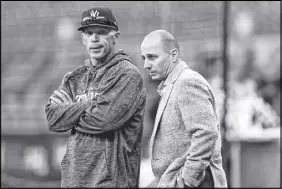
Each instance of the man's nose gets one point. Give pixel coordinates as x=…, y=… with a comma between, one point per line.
x=95, y=37
x=146, y=64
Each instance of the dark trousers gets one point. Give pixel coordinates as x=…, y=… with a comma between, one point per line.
x=208, y=180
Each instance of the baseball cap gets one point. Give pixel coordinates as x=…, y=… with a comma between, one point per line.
x=98, y=16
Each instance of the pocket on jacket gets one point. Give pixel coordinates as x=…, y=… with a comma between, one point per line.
x=100, y=170
x=86, y=167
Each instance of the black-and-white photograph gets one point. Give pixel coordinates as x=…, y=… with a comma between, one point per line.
x=140, y=94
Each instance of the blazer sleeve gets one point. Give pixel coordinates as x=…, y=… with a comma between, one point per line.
x=122, y=96
x=196, y=104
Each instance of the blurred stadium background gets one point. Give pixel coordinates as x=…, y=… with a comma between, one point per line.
x=40, y=44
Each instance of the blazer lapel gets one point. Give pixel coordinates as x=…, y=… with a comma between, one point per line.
x=162, y=105
x=160, y=110
x=169, y=83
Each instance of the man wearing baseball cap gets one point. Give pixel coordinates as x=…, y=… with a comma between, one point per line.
x=102, y=103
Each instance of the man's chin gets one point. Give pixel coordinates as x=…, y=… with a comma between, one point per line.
x=155, y=78
x=97, y=56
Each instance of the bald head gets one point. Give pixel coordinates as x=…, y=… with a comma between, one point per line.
x=160, y=52
x=162, y=38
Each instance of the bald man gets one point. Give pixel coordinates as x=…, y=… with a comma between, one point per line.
x=185, y=147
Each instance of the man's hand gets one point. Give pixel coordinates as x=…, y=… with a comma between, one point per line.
x=63, y=97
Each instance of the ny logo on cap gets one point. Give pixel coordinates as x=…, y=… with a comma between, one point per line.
x=94, y=14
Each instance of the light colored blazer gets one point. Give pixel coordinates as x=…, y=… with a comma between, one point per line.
x=186, y=137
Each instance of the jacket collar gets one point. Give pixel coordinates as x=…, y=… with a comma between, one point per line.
x=110, y=60
x=171, y=78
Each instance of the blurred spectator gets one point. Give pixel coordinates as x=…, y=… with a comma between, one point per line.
x=268, y=85
x=246, y=109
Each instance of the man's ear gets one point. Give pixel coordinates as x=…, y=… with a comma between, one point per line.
x=116, y=36
x=83, y=38
x=174, y=55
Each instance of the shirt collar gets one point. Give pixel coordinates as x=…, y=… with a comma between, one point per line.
x=171, y=78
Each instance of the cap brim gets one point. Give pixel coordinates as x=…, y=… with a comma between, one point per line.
x=107, y=26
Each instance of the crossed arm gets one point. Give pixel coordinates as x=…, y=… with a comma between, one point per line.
x=115, y=105
x=112, y=108
x=62, y=113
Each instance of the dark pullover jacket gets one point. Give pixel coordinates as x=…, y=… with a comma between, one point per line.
x=106, y=120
